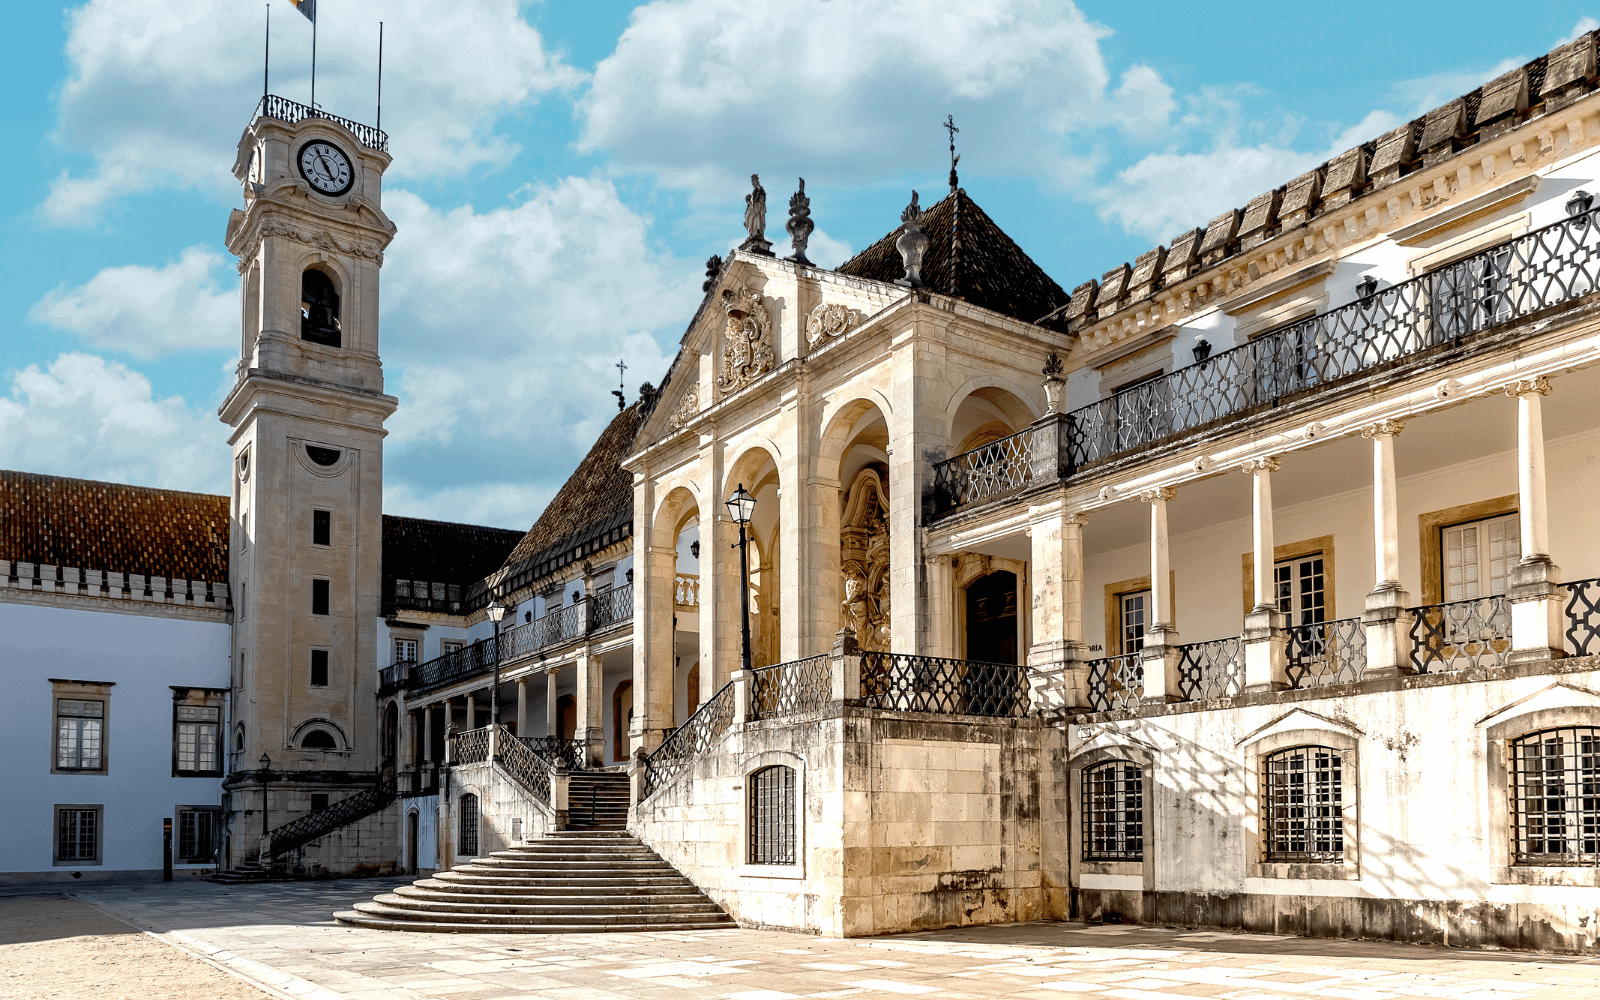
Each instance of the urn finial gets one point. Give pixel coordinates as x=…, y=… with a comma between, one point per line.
x=800, y=224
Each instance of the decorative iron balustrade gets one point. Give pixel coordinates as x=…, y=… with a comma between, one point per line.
x=555, y=750
x=611, y=607
x=1213, y=669
x=1116, y=682
x=391, y=677
x=1515, y=279
x=285, y=110
x=531, y=770
x=458, y=664
x=1461, y=635
x=686, y=590
x=786, y=688
x=470, y=747
x=1327, y=653
x=690, y=740
x=302, y=831
x=901, y=682
x=1582, y=634
x=987, y=471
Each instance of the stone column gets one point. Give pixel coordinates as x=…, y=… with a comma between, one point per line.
x=472, y=711
x=1056, y=605
x=1160, y=655
x=845, y=667
x=941, y=637
x=823, y=588
x=743, y=688
x=552, y=711
x=1266, y=656
x=522, y=707
x=1386, y=618
x=591, y=720
x=1533, y=590
x=427, y=735
x=719, y=573
x=918, y=396
x=654, y=702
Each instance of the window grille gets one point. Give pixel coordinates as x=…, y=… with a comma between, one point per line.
x=772, y=816
x=1303, y=800
x=1113, y=812
x=195, y=735
x=77, y=835
x=1555, y=793
x=80, y=724
x=467, y=806
x=197, y=836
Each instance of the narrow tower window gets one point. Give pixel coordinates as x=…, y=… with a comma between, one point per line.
x=319, y=597
x=319, y=309
x=321, y=527
x=319, y=668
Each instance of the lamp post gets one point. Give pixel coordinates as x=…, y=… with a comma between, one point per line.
x=740, y=507
x=497, y=611
x=266, y=776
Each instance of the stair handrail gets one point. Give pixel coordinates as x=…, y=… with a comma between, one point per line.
x=689, y=740
x=528, y=769
x=303, y=830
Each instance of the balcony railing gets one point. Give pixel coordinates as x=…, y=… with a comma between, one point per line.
x=686, y=590
x=787, y=688
x=690, y=740
x=1582, y=608
x=470, y=747
x=1513, y=280
x=1461, y=635
x=1116, y=682
x=901, y=682
x=1327, y=653
x=1212, y=669
x=285, y=110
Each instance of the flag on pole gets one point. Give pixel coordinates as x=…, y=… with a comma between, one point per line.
x=306, y=7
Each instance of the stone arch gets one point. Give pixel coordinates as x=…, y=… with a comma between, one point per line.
x=758, y=469
x=327, y=726
x=987, y=409
x=843, y=427
x=672, y=511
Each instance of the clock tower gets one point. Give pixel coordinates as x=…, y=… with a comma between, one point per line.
x=306, y=417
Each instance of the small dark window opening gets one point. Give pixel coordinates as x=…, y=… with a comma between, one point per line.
x=772, y=816
x=319, y=668
x=319, y=309
x=318, y=739
x=319, y=597
x=322, y=456
x=468, y=808
x=319, y=801
x=321, y=527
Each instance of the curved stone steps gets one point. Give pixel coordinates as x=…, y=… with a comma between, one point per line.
x=571, y=906
x=378, y=923
x=551, y=897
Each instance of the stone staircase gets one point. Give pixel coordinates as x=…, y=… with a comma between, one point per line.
x=246, y=872
x=569, y=881
x=597, y=800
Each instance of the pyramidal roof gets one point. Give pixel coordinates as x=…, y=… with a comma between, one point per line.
x=968, y=257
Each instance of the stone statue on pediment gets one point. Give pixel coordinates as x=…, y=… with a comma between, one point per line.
x=755, y=219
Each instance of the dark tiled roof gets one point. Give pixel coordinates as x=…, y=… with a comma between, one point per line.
x=968, y=257
x=442, y=551
x=112, y=527
x=592, y=510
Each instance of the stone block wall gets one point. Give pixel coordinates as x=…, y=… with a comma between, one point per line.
x=505, y=808
x=369, y=846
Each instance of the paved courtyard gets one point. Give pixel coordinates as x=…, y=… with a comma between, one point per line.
x=284, y=937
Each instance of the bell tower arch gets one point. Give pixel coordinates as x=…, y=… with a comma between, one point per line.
x=306, y=416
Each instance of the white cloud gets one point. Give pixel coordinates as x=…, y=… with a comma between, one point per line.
x=151, y=311
x=1585, y=25
x=159, y=94
x=498, y=505
x=92, y=418
x=705, y=91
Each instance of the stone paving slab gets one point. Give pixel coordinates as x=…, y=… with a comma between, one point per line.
x=284, y=936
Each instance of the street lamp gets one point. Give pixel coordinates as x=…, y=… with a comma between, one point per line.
x=497, y=611
x=740, y=506
x=266, y=773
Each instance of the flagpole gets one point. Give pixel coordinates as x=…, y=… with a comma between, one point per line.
x=379, y=125
x=266, y=59
x=313, y=58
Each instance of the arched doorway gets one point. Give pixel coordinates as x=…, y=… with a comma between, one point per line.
x=412, y=829
x=621, y=719
x=391, y=736
x=992, y=618
x=567, y=717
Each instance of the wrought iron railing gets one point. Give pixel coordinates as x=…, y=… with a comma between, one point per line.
x=787, y=688
x=391, y=677
x=455, y=665
x=1115, y=682
x=555, y=750
x=1327, y=653
x=1461, y=635
x=1213, y=669
x=902, y=682
x=990, y=470
x=1515, y=279
x=302, y=831
x=470, y=747
x=530, y=769
x=1582, y=609
x=690, y=740
x=285, y=110
x=611, y=606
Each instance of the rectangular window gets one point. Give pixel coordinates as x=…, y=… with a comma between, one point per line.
x=198, y=827
x=1133, y=615
x=78, y=835
x=447, y=646
x=1303, y=797
x=80, y=734
x=321, y=527
x=319, y=668
x=772, y=816
x=196, y=739
x=319, y=801
x=1555, y=791
x=319, y=597
x=405, y=650
x=1113, y=812
x=1299, y=589
x=1477, y=558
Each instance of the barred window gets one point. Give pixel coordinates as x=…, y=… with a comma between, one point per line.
x=80, y=725
x=1113, y=812
x=195, y=734
x=467, y=807
x=197, y=835
x=772, y=816
x=77, y=834
x=1555, y=793
x=1303, y=805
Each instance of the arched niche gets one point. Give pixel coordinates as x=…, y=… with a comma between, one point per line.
x=984, y=414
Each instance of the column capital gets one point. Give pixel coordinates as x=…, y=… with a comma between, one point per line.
x=1078, y=517
x=1522, y=387
x=1264, y=464
x=1159, y=493
x=1383, y=428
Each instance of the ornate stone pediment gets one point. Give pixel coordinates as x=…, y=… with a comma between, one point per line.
x=831, y=319
x=747, y=340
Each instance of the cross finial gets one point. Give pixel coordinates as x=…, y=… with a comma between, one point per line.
x=620, y=392
x=950, y=124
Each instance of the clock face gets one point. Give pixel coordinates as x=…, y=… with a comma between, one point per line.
x=325, y=167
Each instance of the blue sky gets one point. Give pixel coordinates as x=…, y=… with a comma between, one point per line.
x=562, y=171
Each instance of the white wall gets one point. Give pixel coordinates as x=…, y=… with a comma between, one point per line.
x=143, y=657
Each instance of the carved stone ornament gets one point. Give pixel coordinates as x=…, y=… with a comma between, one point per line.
x=1162, y=493
x=1445, y=388
x=713, y=268
x=1313, y=430
x=1107, y=493
x=800, y=225
x=1053, y=383
x=747, y=342
x=322, y=241
x=1201, y=464
x=688, y=406
x=912, y=244
x=1392, y=428
x=1254, y=465
x=864, y=561
x=831, y=319
x=1539, y=384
